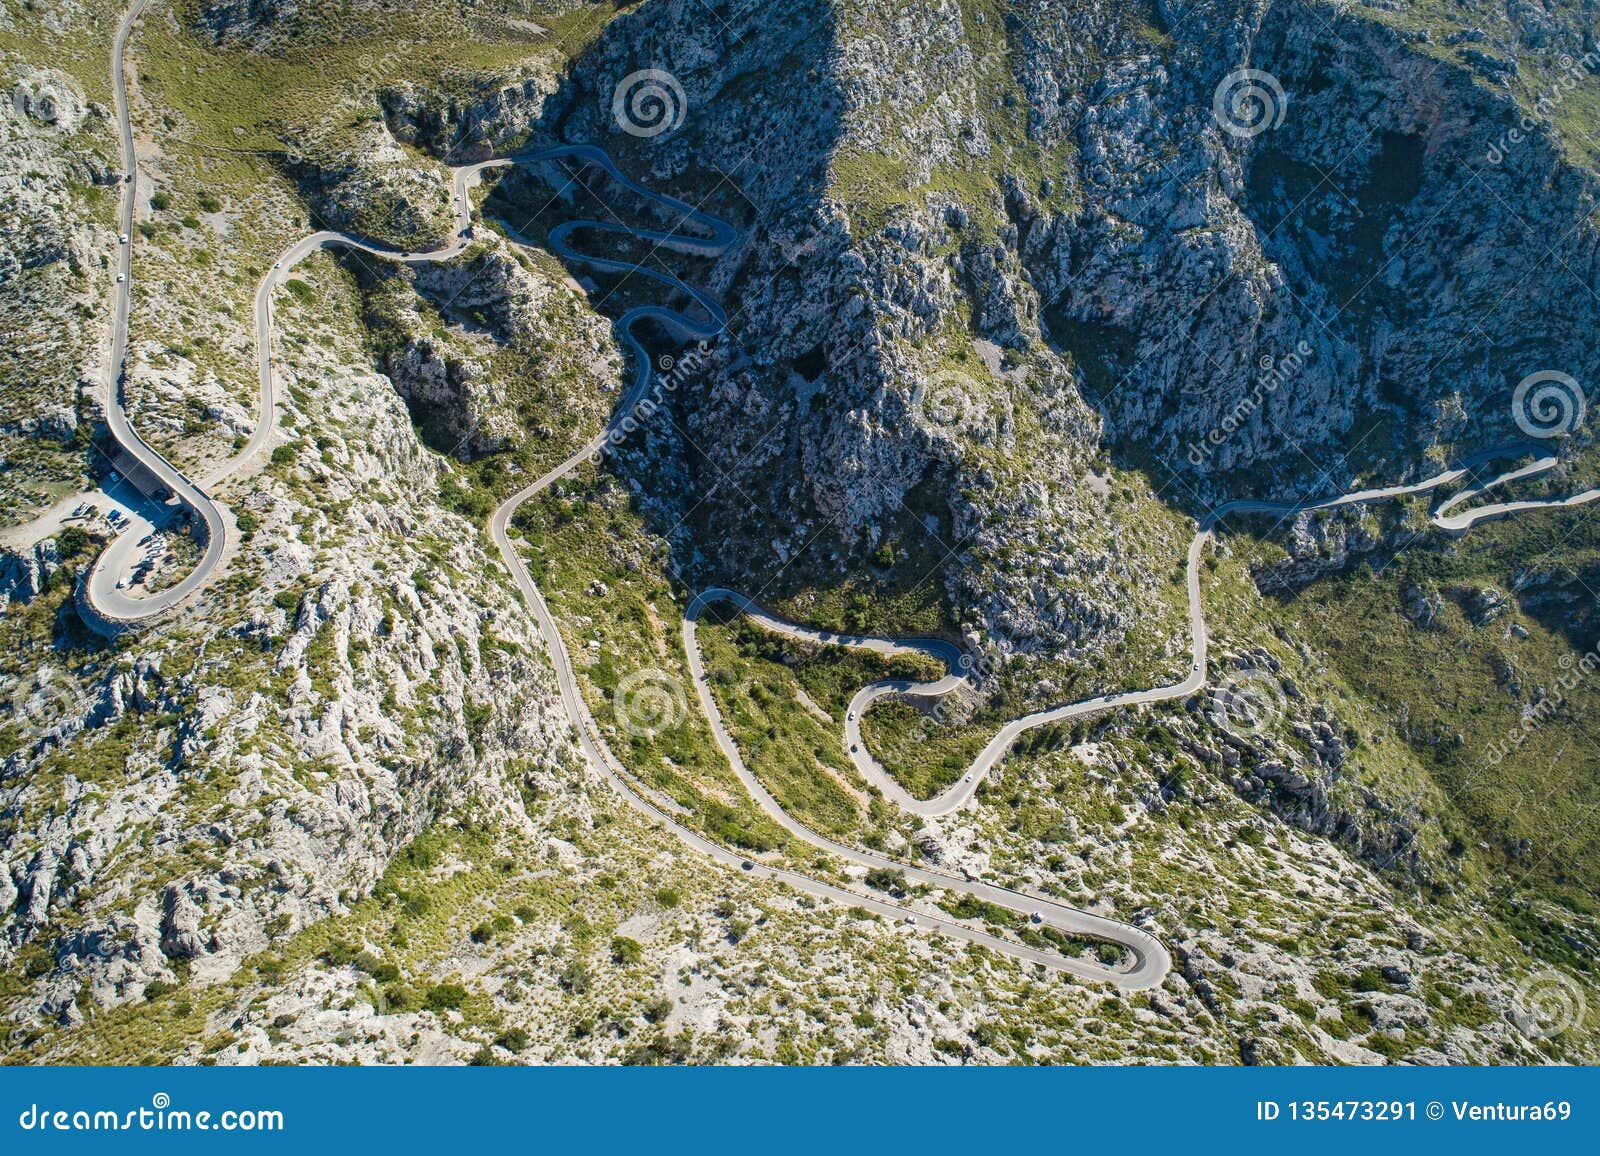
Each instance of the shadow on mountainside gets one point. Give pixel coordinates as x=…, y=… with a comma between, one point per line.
x=1368, y=271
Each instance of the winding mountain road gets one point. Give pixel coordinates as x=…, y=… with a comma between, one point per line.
x=705, y=236
x=1150, y=961
x=957, y=662
x=111, y=606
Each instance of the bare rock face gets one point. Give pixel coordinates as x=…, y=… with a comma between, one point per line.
x=57, y=151
x=972, y=258
x=57, y=424
x=232, y=14
x=1182, y=276
x=449, y=389
x=1126, y=269
x=379, y=192
x=265, y=802
x=1327, y=542
x=181, y=934
x=1484, y=604
x=517, y=327
x=1422, y=605
x=253, y=22
x=504, y=112
x=23, y=574
x=897, y=397
x=51, y=100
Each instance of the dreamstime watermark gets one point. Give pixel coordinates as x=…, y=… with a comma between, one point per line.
x=1275, y=373
x=160, y=1116
x=1247, y=704
x=1248, y=102
x=670, y=374
x=648, y=103
x=1548, y=1003
x=647, y=702
x=317, y=144
x=951, y=401
x=46, y=698
x=798, y=244
x=1548, y=404
x=947, y=709
x=1570, y=75
x=1575, y=672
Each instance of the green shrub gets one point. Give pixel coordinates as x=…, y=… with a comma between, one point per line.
x=886, y=879
x=399, y=997
x=512, y=1039
x=1370, y=979
x=658, y=1010
x=72, y=541
x=574, y=978
x=445, y=997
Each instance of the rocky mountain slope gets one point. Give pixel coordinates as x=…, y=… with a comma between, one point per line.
x=973, y=226
x=57, y=169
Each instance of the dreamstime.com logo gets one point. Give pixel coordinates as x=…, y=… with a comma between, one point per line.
x=1248, y=102
x=648, y=103
x=1574, y=672
x=951, y=401
x=647, y=702
x=669, y=376
x=160, y=1116
x=1548, y=1003
x=45, y=698
x=1275, y=372
x=1548, y=404
x=1246, y=704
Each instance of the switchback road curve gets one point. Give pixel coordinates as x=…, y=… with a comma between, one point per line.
x=958, y=663
x=116, y=610
x=1150, y=960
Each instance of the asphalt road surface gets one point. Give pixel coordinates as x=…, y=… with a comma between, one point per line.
x=957, y=663
x=711, y=237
